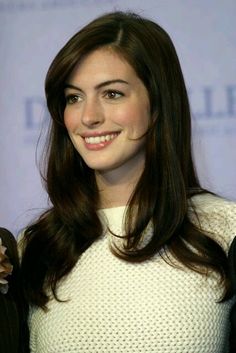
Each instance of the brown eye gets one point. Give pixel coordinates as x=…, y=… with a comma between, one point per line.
x=72, y=98
x=111, y=94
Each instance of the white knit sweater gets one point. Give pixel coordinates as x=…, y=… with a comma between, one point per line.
x=118, y=307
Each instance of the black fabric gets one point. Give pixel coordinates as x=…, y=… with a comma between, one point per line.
x=232, y=267
x=13, y=310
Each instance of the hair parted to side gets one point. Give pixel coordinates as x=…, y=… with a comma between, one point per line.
x=55, y=241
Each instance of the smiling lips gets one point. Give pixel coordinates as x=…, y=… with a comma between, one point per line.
x=101, y=141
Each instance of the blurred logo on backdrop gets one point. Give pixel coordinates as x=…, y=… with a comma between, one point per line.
x=36, y=118
x=213, y=112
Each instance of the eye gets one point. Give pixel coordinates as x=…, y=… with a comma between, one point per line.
x=73, y=98
x=113, y=94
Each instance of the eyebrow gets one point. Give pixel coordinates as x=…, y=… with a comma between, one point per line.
x=100, y=85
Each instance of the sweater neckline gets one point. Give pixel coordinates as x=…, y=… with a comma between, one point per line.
x=113, y=216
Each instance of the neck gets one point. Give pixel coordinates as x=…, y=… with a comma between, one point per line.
x=114, y=195
x=115, y=189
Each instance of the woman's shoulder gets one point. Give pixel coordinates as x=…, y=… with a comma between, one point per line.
x=215, y=215
x=209, y=202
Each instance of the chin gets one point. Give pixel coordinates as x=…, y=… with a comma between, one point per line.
x=100, y=166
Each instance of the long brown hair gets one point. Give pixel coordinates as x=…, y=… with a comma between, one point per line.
x=163, y=194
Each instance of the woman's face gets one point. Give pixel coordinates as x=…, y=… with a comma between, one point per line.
x=107, y=113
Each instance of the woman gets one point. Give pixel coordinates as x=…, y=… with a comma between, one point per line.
x=131, y=257
x=13, y=311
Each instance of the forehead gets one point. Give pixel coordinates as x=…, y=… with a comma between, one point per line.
x=102, y=62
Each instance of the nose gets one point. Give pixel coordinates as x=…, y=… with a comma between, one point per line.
x=92, y=113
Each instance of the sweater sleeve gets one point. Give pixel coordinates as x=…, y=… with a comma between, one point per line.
x=215, y=216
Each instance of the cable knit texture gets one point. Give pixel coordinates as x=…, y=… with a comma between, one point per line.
x=113, y=306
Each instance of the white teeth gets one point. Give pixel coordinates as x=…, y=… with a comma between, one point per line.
x=99, y=139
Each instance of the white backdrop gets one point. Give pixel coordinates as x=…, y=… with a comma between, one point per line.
x=32, y=32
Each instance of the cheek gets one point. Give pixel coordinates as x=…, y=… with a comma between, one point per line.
x=145, y=118
x=135, y=116
x=139, y=121
x=70, y=121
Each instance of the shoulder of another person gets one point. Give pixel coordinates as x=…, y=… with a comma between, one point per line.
x=216, y=216
x=6, y=234
x=232, y=264
x=8, y=240
x=10, y=243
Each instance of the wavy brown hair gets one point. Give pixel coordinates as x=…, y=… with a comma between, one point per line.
x=163, y=194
